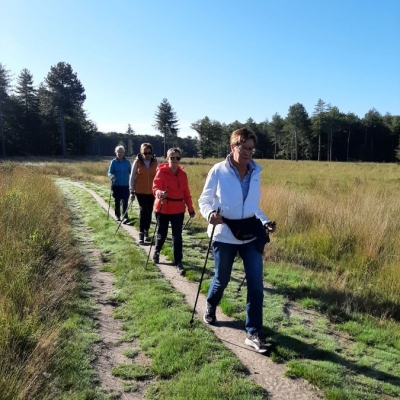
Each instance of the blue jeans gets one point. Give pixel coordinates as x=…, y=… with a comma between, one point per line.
x=224, y=255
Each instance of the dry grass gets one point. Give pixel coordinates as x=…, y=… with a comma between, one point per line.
x=345, y=224
x=35, y=256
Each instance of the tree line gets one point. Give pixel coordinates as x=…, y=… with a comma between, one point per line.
x=49, y=120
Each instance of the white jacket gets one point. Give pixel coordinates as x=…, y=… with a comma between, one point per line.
x=223, y=190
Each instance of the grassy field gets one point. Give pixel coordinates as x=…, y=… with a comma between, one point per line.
x=338, y=220
x=335, y=253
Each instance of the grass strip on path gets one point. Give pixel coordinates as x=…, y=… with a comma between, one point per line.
x=189, y=362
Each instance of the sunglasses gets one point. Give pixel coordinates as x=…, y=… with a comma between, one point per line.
x=147, y=153
x=175, y=158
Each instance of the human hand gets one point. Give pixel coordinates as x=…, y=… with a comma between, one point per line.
x=215, y=218
x=161, y=194
x=132, y=196
x=112, y=178
x=192, y=214
x=270, y=226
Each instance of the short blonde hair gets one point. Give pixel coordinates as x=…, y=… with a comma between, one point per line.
x=241, y=135
x=173, y=150
x=121, y=148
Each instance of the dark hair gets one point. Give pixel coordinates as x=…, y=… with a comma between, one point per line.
x=145, y=146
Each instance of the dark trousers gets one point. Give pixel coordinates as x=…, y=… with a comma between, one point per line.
x=120, y=194
x=146, y=202
x=176, y=227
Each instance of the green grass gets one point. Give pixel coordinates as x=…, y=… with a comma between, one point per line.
x=159, y=318
x=327, y=311
x=317, y=345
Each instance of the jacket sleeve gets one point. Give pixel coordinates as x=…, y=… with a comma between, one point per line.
x=207, y=200
x=158, y=182
x=132, y=178
x=111, y=169
x=187, y=196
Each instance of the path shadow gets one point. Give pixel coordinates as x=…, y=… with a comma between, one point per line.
x=307, y=351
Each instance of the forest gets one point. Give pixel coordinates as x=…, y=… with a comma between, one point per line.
x=50, y=120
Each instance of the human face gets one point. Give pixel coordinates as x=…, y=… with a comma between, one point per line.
x=174, y=159
x=146, y=153
x=243, y=152
x=120, y=154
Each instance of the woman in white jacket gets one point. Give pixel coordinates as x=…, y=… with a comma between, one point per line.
x=232, y=187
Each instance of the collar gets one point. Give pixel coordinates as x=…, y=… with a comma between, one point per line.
x=251, y=165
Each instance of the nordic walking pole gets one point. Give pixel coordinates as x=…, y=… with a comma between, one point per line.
x=204, y=268
x=155, y=228
x=123, y=217
x=241, y=284
x=187, y=222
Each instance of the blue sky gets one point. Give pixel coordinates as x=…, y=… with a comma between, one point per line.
x=228, y=60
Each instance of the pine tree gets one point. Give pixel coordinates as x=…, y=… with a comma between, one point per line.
x=130, y=132
x=66, y=93
x=4, y=96
x=166, y=122
x=29, y=124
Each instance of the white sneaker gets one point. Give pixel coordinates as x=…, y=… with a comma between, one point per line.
x=259, y=344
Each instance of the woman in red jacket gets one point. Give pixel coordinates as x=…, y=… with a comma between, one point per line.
x=172, y=196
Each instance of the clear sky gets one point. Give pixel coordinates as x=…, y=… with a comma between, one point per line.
x=225, y=59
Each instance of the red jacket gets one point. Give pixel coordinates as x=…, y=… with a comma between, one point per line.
x=178, y=195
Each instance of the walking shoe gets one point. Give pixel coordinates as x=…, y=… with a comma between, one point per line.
x=117, y=218
x=125, y=220
x=146, y=236
x=258, y=342
x=209, y=316
x=156, y=257
x=141, y=236
x=179, y=268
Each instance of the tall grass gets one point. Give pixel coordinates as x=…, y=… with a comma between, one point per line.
x=36, y=277
x=337, y=219
x=345, y=226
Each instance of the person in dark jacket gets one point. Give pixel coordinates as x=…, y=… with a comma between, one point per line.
x=141, y=187
x=118, y=172
x=172, y=193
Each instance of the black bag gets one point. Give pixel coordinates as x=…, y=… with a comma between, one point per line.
x=249, y=228
x=242, y=229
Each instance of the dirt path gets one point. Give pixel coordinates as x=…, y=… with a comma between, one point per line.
x=262, y=370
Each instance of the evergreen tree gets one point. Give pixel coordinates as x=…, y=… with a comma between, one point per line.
x=276, y=128
x=318, y=121
x=4, y=97
x=130, y=132
x=334, y=127
x=298, y=128
x=66, y=93
x=166, y=122
x=27, y=98
x=393, y=123
x=351, y=128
